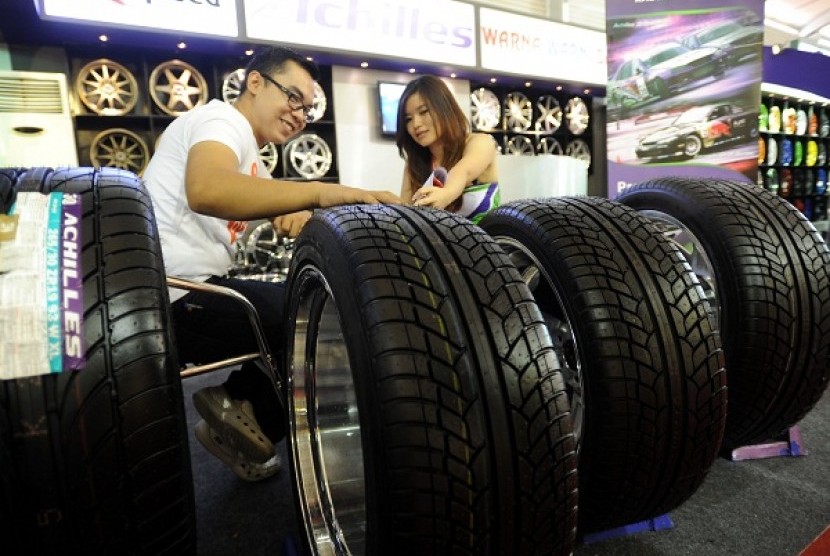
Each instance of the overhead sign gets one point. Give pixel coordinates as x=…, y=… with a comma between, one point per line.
x=522, y=45
x=207, y=17
x=429, y=30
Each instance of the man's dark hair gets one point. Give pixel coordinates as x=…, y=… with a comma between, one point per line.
x=273, y=59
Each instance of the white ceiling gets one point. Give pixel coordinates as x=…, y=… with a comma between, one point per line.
x=807, y=22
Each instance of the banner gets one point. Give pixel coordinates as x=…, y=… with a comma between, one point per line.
x=206, y=17
x=431, y=30
x=532, y=47
x=684, y=89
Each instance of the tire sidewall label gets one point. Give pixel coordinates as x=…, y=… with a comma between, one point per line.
x=41, y=287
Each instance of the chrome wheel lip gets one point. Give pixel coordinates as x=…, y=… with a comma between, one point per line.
x=694, y=253
x=327, y=455
x=567, y=346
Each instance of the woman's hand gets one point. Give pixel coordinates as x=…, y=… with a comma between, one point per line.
x=435, y=197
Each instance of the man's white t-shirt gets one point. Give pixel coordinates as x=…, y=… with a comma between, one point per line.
x=195, y=246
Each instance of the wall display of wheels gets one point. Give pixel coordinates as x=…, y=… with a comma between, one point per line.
x=551, y=123
x=140, y=94
x=794, y=152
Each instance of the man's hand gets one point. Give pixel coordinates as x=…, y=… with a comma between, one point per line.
x=335, y=194
x=290, y=224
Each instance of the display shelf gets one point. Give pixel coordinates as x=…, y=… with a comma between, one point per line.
x=143, y=91
x=534, y=120
x=794, y=151
x=789, y=445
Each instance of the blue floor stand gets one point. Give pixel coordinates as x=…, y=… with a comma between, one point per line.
x=789, y=445
x=659, y=523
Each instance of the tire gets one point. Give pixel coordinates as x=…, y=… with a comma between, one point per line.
x=692, y=146
x=768, y=273
x=96, y=461
x=413, y=336
x=643, y=363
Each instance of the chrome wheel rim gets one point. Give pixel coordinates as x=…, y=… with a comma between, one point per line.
x=269, y=253
x=485, y=109
x=318, y=105
x=518, y=112
x=577, y=116
x=694, y=253
x=324, y=425
x=559, y=326
x=580, y=150
x=309, y=156
x=232, y=85
x=107, y=88
x=549, y=145
x=550, y=114
x=119, y=148
x=520, y=145
x=269, y=155
x=177, y=87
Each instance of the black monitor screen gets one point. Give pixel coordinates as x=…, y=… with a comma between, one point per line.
x=388, y=95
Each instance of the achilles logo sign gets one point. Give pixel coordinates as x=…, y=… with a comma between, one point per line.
x=210, y=17
x=429, y=30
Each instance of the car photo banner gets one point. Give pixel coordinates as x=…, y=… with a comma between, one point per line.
x=41, y=286
x=683, y=90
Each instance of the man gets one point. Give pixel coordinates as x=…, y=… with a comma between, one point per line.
x=206, y=182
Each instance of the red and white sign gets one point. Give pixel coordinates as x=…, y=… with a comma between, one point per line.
x=528, y=46
x=206, y=17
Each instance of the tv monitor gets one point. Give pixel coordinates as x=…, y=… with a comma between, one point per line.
x=388, y=96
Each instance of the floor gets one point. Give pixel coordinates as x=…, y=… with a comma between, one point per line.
x=769, y=507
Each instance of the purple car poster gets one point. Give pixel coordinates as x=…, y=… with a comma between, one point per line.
x=683, y=91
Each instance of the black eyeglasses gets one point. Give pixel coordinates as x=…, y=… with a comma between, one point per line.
x=295, y=101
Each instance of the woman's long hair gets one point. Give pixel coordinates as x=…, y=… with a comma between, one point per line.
x=450, y=123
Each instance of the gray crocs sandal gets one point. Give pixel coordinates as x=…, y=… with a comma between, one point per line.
x=234, y=421
x=244, y=469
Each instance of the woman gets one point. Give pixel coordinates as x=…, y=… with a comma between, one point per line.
x=433, y=135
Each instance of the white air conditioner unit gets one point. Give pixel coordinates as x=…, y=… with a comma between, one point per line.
x=35, y=122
